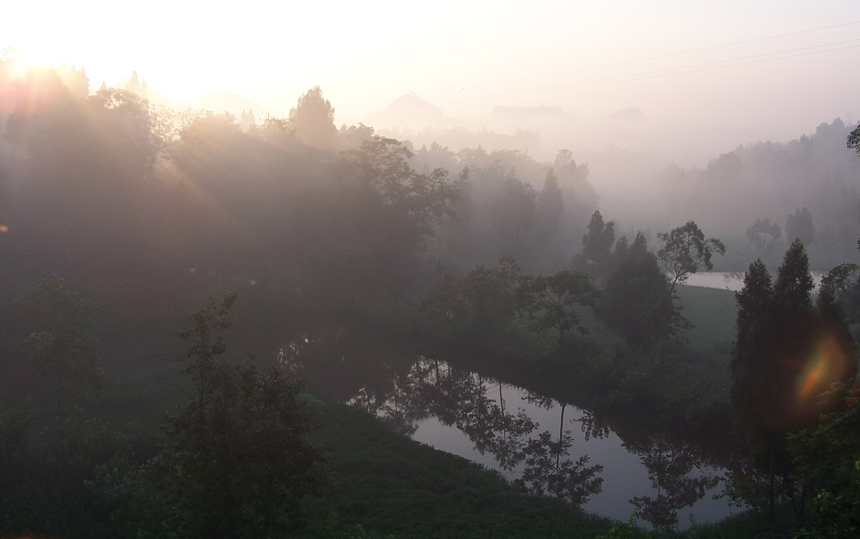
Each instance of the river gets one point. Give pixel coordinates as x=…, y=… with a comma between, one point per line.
x=730, y=280
x=548, y=449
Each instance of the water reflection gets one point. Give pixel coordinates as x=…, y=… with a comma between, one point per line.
x=529, y=439
x=679, y=477
x=462, y=399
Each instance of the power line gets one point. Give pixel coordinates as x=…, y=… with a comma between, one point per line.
x=693, y=51
x=755, y=58
x=692, y=68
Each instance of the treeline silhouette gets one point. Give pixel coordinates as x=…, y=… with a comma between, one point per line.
x=328, y=233
x=148, y=210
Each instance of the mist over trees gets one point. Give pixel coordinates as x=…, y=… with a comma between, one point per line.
x=808, y=183
x=335, y=236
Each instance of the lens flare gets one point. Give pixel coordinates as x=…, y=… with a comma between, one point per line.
x=830, y=361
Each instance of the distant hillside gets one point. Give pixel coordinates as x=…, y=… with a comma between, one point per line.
x=410, y=111
x=770, y=180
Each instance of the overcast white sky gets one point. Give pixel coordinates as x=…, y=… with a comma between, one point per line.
x=787, y=64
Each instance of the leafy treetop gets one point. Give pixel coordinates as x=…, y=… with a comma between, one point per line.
x=685, y=250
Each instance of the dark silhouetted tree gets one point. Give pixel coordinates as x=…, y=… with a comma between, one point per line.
x=754, y=392
x=853, y=142
x=236, y=462
x=777, y=382
x=596, y=247
x=392, y=210
x=685, y=250
x=638, y=302
x=549, y=207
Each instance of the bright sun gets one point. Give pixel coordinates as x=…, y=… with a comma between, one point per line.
x=38, y=55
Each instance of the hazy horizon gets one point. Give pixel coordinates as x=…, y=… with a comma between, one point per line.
x=760, y=71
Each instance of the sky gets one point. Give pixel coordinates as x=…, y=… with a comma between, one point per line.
x=772, y=69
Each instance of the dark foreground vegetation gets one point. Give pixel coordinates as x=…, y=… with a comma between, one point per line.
x=117, y=219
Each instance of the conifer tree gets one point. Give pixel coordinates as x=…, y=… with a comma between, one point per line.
x=778, y=330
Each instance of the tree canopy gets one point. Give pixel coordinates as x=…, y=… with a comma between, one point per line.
x=638, y=301
x=685, y=250
x=786, y=356
x=312, y=120
x=236, y=461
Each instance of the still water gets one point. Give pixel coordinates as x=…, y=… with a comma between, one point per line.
x=551, y=449
x=730, y=280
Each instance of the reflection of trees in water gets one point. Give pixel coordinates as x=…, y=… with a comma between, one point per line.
x=546, y=474
x=394, y=410
x=669, y=468
x=383, y=383
x=573, y=481
x=593, y=426
x=460, y=398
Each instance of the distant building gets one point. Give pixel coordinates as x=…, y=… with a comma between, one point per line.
x=247, y=120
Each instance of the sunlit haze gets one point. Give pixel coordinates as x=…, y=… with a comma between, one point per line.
x=430, y=269
x=749, y=70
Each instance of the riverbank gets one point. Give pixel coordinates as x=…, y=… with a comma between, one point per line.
x=382, y=484
x=679, y=389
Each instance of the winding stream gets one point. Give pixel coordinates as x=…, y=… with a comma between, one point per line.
x=546, y=448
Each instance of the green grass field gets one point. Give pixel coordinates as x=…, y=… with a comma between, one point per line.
x=713, y=313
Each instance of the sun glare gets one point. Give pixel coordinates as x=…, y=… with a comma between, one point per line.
x=828, y=363
x=38, y=56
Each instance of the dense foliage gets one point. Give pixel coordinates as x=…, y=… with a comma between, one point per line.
x=331, y=233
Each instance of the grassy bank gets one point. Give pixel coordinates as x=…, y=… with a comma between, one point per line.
x=391, y=485
x=382, y=484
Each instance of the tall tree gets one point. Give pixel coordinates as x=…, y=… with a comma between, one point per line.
x=786, y=356
x=236, y=462
x=313, y=120
x=638, y=301
x=392, y=210
x=549, y=207
x=685, y=250
x=754, y=393
x=381, y=164
x=749, y=363
x=596, y=247
x=491, y=297
x=794, y=283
